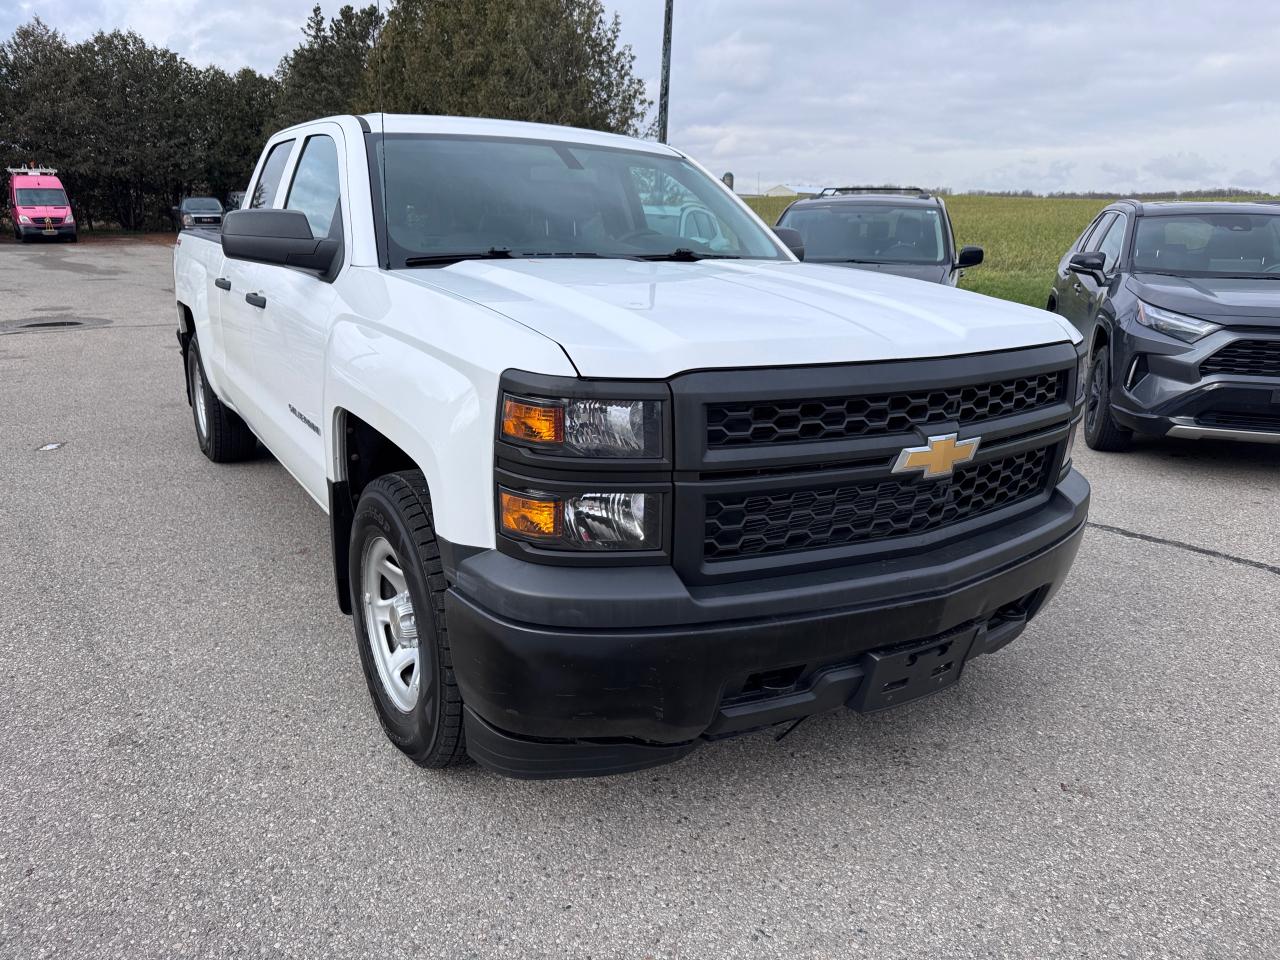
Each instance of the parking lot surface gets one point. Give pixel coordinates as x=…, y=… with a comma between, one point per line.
x=190, y=765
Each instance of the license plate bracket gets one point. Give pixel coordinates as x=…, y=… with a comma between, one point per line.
x=898, y=675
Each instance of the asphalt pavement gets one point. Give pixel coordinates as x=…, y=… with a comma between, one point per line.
x=190, y=765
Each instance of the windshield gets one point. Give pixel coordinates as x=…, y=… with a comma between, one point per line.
x=1209, y=245
x=201, y=205
x=41, y=197
x=869, y=233
x=492, y=195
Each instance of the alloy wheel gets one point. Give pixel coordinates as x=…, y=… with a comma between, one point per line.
x=391, y=624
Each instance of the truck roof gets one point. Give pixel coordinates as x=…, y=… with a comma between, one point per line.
x=26, y=180
x=483, y=127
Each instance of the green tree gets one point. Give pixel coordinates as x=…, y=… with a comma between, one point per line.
x=322, y=76
x=235, y=116
x=552, y=61
x=131, y=127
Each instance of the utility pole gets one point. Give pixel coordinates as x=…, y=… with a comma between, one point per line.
x=665, y=94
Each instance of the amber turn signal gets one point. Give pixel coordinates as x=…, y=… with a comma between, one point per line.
x=529, y=516
x=532, y=422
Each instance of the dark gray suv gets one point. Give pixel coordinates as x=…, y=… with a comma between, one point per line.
x=1180, y=306
x=903, y=231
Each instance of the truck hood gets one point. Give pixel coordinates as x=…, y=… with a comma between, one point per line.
x=622, y=318
x=1221, y=299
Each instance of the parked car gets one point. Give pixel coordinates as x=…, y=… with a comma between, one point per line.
x=598, y=493
x=907, y=233
x=197, y=212
x=1180, y=305
x=38, y=205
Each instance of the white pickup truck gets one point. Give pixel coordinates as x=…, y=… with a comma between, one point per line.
x=604, y=483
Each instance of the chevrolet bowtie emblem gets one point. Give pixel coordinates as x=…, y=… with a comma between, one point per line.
x=939, y=457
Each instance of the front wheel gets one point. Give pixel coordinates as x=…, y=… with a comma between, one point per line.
x=1101, y=432
x=397, y=602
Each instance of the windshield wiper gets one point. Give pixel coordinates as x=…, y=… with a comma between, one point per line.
x=575, y=254
x=443, y=259
x=685, y=255
x=850, y=260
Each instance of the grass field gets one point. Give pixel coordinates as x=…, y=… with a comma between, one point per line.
x=1024, y=238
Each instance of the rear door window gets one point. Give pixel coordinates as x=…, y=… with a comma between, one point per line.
x=264, y=191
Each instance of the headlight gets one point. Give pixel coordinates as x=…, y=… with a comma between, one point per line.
x=1176, y=325
x=587, y=428
x=69, y=219
x=23, y=218
x=582, y=521
x=187, y=220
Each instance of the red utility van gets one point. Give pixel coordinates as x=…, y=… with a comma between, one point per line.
x=38, y=205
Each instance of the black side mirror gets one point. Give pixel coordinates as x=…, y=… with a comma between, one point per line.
x=1095, y=262
x=281, y=237
x=791, y=239
x=969, y=257
x=174, y=211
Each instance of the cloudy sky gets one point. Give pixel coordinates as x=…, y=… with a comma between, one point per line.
x=1002, y=94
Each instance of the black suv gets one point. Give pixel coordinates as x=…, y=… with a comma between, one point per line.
x=904, y=231
x=1180, y=306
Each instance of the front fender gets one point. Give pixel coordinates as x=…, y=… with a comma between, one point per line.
x=425, y=375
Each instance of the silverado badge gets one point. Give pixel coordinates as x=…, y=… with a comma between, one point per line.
x=939, y=457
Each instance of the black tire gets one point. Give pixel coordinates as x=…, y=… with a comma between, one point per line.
x=223, y=437
x=396, y=510
x=1101, y=432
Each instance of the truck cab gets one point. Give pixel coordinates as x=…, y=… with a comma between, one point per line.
x=605, y=483
x=38, y=205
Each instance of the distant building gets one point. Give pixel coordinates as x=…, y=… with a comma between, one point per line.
x=792, y=190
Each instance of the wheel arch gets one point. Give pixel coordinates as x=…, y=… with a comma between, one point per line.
x=1100, y=339
x=362, y=453
x=186, y=333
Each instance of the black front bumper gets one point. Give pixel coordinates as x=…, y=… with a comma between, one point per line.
x=39, y=231
x=582, y=671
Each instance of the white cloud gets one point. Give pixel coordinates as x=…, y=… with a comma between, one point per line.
x=1010, y=94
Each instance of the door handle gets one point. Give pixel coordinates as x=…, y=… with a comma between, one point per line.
x=222, y=283
x=256, y=300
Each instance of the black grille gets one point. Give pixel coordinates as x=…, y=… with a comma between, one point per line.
x=740, y=525
x=1237, y=420
x=53, y=221
x=1248, y=358
x=834, y=418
